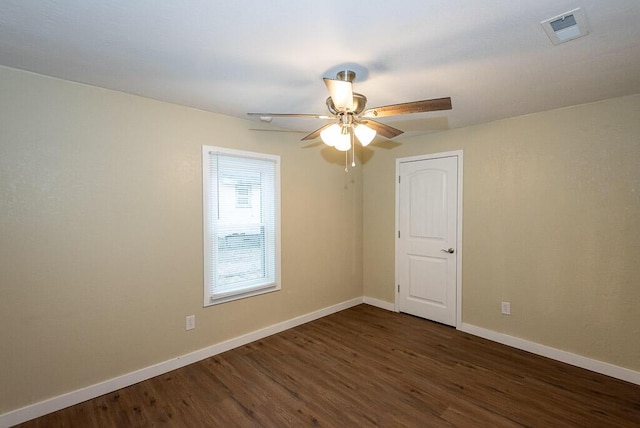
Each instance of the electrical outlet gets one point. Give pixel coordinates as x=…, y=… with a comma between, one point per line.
x=191, y=322
x=506, y=308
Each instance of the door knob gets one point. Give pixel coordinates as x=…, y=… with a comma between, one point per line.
x=450, y=251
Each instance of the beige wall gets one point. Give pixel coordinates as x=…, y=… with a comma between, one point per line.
x=101, y=246
x=101, y=234
x=551, y=217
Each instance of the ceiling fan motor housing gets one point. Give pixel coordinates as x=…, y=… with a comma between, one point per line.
x=359, y=103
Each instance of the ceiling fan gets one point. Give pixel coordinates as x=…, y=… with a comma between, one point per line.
x=351, y=119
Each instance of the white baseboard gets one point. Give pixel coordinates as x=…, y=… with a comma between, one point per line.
x=42, y=408
x=555, y=354
x=379, y=303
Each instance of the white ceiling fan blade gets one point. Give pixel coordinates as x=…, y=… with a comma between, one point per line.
x=341, y=93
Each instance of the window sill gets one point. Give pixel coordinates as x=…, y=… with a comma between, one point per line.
x=229, y=296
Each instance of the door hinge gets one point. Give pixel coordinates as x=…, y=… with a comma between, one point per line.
x=398, y=179
x=398, y=288
x=398, y=234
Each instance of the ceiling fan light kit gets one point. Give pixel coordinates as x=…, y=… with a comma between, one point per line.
x=339, y=135
x=351, y=120
x=336, y=136
x=365, y=134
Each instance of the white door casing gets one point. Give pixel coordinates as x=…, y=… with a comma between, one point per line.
x=428, y=241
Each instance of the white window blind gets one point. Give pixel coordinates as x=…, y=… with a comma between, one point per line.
x=241, y=224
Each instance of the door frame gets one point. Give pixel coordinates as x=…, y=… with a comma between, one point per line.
x=457, y=154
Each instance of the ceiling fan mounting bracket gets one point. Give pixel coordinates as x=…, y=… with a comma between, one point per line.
x=346, y=76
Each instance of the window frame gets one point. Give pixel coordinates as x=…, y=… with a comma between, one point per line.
x=209, y=205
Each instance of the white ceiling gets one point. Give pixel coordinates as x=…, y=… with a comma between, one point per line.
x=491, y=57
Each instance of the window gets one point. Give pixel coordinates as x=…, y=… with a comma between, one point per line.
x=243, y=195
x=241, y=211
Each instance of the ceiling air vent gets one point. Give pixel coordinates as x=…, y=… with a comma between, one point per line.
x=565, y=27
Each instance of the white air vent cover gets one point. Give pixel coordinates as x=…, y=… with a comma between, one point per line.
x=565, y=27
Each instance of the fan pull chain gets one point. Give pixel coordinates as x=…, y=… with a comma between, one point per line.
x=353, y=151
x=346, y=161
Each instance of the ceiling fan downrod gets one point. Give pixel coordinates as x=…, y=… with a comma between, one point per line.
x=346, y=76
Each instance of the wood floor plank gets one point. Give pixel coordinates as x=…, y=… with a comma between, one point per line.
x=366, y=367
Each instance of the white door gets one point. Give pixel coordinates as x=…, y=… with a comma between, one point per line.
x=427, y=253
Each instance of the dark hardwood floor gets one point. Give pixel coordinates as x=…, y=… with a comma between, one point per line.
x=366, y=367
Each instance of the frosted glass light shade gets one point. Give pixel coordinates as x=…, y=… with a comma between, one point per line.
x=331, y=135
x=344, y=142
x=365, y=134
